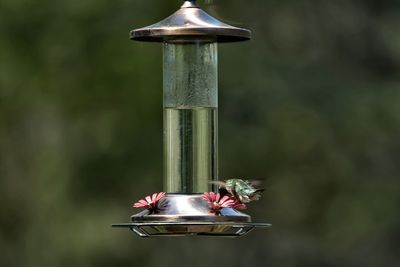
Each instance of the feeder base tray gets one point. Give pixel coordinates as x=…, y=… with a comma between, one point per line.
x=225, y=229
x=189, y=214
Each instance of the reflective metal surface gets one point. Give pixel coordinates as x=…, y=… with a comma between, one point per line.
x=190, y=23
x=188, y=208
x=189, y=214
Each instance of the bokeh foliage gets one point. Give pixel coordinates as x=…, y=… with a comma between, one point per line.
x=311, y=106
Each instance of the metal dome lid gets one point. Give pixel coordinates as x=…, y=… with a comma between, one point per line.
x=190, y=22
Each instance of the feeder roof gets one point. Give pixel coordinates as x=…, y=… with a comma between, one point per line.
x=190, y=22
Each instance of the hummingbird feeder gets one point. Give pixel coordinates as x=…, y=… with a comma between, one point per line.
x=188, y=206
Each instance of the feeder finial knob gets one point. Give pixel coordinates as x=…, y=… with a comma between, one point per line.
x=189, y=3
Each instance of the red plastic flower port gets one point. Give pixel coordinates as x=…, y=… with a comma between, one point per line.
x=150, y=202
x=239, y=206
x=217, y=203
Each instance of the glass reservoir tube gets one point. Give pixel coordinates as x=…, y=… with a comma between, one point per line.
x=190, y=116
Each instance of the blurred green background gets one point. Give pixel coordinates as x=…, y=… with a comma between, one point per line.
x=311, y=106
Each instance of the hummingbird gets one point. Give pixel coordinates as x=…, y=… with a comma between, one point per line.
x=243, y=191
